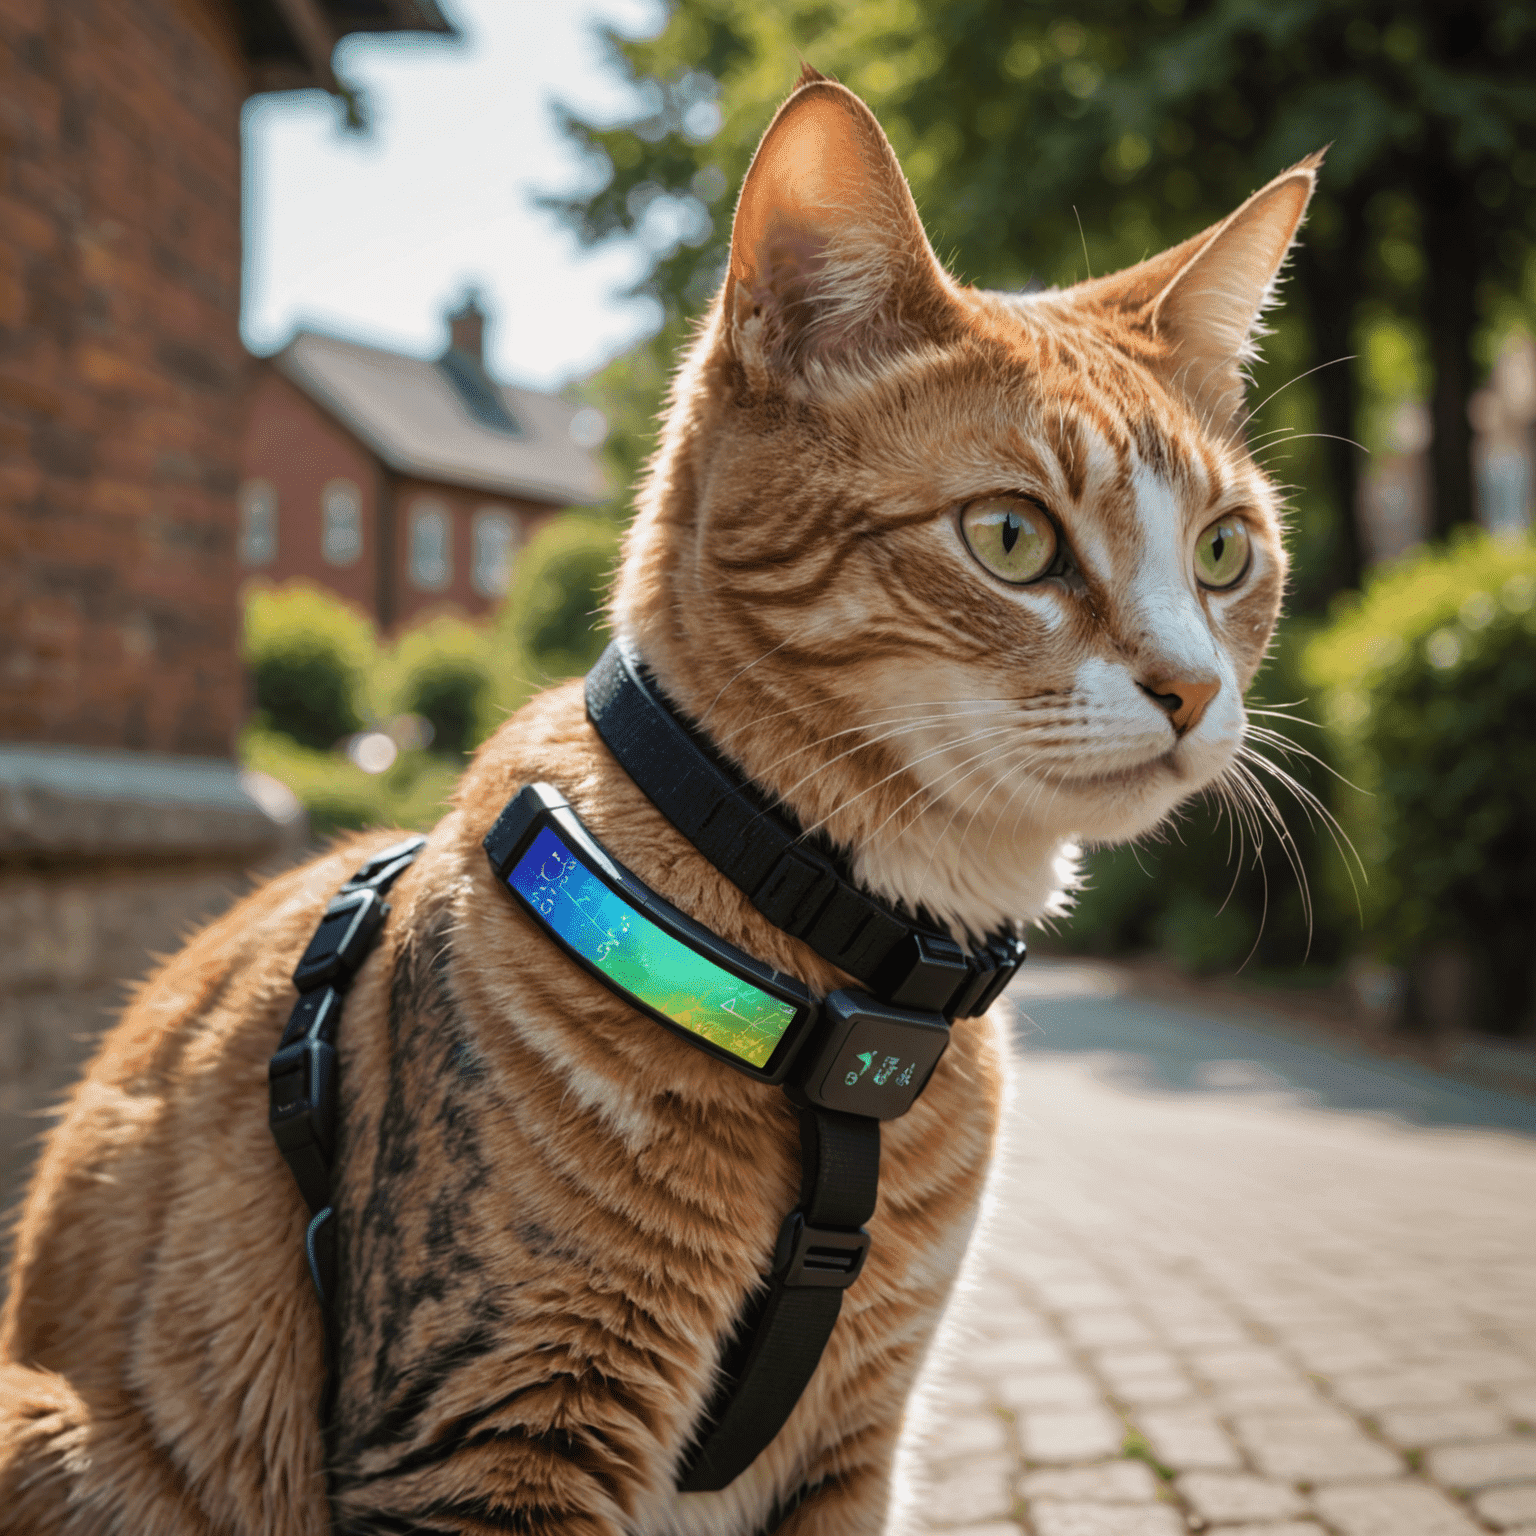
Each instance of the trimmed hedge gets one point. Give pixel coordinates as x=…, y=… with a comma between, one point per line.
x=554, y=610
x=309, y=657
x=1431, y=695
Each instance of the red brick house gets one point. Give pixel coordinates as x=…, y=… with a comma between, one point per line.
x=124, y=391
x=404, y=485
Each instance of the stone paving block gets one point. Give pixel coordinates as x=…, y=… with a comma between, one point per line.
x=1402, y=1508
x=1275, y=1528
x=1222, y=1367
x=1372, y=1391
x=991, y=1528
x=1333, y=1354
x=1223, y=1496
x=1480, y=1368
x=1043, y=1354
x=1041, y=1389
x=1207, y=1331
x=1052, y=1519
x=1133, y=1359
x=1508, y=1506
x=970, y=1491
x=1187, y=1438
x=1481, y=1466
x=1078, y=1295
x=1107, y=1327
x=1320, y=1446
x=1112, y=1482
x=1070, y=1434
x=1296, y=1393
x=1153, y=1391
x=1442, y=1426
x=966, y=1434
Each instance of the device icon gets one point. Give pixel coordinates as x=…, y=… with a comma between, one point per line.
x=866, y=1057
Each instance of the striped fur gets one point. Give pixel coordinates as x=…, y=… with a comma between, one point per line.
x=551, y=1212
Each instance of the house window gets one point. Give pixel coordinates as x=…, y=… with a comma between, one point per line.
x=258, y=522
x=431, y=546
x=341, y=523
x=495, y=542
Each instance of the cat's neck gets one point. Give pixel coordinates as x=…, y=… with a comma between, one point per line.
x=972, y=871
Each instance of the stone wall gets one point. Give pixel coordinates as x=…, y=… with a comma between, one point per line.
x=107, y=861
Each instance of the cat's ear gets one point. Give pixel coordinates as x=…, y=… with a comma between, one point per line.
x=828, y=256
x=1204, y=298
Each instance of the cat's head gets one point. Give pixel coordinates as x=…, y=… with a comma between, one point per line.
x=962, y=576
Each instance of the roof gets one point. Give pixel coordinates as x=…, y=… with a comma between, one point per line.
x=413, y=414
x=288, y=43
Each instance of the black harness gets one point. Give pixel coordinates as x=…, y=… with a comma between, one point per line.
x=829, y=1056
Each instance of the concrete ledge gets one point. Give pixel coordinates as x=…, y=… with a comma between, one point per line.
x=68, y=804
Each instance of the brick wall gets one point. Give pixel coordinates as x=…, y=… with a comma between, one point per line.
x=298, y=450
x=122, y=376
x=414, y=603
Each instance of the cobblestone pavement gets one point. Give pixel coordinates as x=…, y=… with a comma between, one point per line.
x=1251, y=1303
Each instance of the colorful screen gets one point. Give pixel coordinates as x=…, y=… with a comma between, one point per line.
x=629, y=949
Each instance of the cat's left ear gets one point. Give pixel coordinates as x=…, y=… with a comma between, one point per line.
x=829, y=260
x=1204, y=298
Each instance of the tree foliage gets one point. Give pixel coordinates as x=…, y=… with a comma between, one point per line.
x=1041, y=142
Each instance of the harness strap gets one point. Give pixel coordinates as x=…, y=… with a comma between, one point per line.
x=796, y=885
x=302, y=1076
x=780, y=1338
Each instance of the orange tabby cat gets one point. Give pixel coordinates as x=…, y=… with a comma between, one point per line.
x=958, y=576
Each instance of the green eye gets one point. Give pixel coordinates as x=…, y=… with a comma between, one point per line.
x=1222, y=554
x=1012, y=537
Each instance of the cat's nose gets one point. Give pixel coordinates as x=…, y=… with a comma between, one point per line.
x=1184, y=698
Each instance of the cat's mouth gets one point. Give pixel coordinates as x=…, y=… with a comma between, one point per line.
x=1165, y=764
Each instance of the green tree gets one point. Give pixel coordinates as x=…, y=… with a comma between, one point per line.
x=1032, y=137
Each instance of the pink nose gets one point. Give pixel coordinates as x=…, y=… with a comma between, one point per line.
x=1184, y=698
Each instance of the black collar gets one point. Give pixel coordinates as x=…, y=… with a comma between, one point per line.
x=795, y=885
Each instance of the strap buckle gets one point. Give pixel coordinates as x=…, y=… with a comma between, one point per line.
x=387, y=865
x=346, y=932
x=818, y=1256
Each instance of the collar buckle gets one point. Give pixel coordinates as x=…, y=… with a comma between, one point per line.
x=824, y=1257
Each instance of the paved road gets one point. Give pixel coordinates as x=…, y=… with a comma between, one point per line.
x=1240, y=1281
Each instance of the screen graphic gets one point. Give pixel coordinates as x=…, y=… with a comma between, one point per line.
x=651, y=965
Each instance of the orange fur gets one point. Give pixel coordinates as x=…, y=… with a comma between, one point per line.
x=551, y=1211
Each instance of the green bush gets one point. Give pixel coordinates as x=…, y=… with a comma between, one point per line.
x=339, y=795
x=309, y=657
x=554, y=609
x=1197, y=890
x=450, y=694
x=1431, y=694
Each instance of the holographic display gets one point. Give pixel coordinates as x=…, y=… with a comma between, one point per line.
x=641, y=959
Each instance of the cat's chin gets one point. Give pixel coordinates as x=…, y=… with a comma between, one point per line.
x=976, y=873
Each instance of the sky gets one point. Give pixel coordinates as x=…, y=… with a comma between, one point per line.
x=374, y=236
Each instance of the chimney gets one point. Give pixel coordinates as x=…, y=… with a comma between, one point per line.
x=466, y=328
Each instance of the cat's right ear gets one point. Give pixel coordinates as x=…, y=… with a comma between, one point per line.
x=829, y=261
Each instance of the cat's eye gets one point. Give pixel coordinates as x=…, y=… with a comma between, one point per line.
x=1222, y=554
x=1012, y=537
